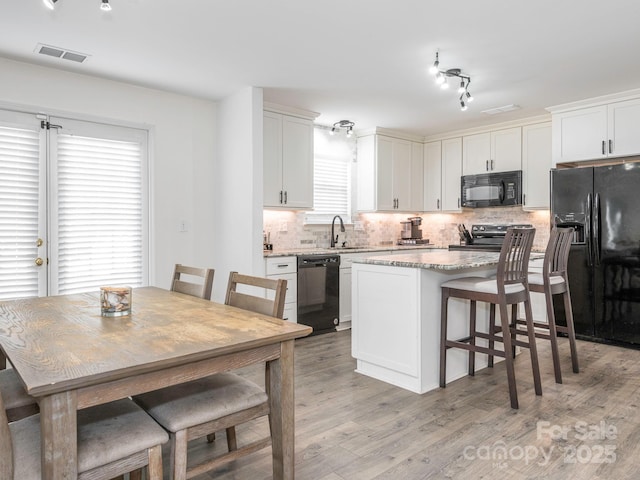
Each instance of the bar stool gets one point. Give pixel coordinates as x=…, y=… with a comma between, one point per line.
x=554, y=281
x=509, y=287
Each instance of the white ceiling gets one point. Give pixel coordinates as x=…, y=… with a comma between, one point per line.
x=362, y=60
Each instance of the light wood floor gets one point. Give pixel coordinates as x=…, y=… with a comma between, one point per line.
x=351, y=427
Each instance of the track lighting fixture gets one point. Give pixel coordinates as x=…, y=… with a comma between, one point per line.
x=441, y=79
x=348, y=124
x=105, y=6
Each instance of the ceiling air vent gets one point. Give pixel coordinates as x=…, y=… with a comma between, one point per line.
x=506, y=108
x=58, y=52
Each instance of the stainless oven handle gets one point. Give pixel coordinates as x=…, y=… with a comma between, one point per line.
x=502, y=191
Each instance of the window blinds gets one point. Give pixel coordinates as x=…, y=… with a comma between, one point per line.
x=99, y=213
x=19, y=197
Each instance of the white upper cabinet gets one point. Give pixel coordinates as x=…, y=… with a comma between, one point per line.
x=595, y=132
x=451, y=173
x=536, y=165
x=496, y=151
x=288, y=161
x=387, y=168
x=433, y=176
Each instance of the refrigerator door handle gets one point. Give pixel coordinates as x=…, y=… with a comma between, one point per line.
x=596, y=229
x=587, y=231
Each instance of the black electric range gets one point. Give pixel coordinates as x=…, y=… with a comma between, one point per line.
x=486, y=238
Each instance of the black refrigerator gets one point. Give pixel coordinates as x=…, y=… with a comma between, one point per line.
x=602, y=205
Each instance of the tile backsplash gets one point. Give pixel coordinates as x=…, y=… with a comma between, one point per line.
x=289, y=232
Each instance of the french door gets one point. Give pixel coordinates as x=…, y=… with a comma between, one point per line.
x=73, y=205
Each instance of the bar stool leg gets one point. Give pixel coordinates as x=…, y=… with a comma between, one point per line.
x=570, y=330
x=472, y=340
x=553, y=335
x=533, y=350
x=492, y=331
x=443, y=337
x=514, y=317
x=508, y=359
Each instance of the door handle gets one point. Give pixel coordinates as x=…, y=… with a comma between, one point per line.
x=492, y=165
x=281, y=197
x=610, y=146
x=285, y=197
x=587, y=232
x=596, y=229
x=603, y=150
x=486, y=167
x=438, y=204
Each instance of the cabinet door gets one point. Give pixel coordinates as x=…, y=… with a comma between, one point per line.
x=476, y=154
x=417, y=177
x=345, y=296
x=402, y=174
x=297, y=162
x=579, y=135
x=272, y=159
x=536, y=164
x=432, y=176
x=624, y=128
x=451, y=172
x=506, y=150
x=384, y=174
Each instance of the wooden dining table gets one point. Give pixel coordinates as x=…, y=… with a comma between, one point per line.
x=70, y=357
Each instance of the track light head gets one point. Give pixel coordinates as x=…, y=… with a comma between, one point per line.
x=433, y=70
x=469, y=97
x=105, y=6
x=50, y=4
x=463, y=106
x=461, y=88
x=348, y=124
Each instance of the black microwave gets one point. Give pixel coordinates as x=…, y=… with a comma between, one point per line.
x=492, y=189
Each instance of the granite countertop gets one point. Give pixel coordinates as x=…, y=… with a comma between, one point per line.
x=342, y=250
x=439, y=260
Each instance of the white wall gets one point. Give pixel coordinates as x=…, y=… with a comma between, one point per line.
x=183, y=150
x=238, y=192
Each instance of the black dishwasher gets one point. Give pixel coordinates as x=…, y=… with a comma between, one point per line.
x=319, y=292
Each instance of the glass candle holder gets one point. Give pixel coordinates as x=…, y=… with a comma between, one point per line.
x=115, y=301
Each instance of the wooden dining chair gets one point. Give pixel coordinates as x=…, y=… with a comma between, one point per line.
x=113, y=439
x=17, y=402
x=219, y=402
x=554, y=281
x=509, y=287
x=200, y=289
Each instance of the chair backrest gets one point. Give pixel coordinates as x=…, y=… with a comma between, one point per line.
x=201, y=290
x=556, y=256
x=259, y=304
x=513, y=266
x=6, y=445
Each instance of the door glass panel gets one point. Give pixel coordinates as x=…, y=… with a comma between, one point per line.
x=20, y=195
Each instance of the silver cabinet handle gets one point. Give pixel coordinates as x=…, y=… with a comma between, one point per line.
x=486, y=165
x=491, y=164
x=610, y=146
x=458, y=202
x=603, y=151
x=438, y=204
x=280, y=196
x=524, y=199
x=285, y=197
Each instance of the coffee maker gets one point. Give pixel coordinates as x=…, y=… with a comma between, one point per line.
x=411, y=234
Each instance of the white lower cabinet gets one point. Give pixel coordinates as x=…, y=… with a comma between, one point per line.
x=286, y=268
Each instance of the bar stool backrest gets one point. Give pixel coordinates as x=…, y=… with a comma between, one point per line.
x=513, y=266
x=556, y=255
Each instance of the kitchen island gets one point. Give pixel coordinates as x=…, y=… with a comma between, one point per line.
x=396, y=315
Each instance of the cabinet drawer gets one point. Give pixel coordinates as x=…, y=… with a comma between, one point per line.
x=292, y=286
x=278, y=265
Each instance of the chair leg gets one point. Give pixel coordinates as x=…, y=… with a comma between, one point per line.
x=492, y=331
x=155, y=463
x=232, y=444
x=443, y=337
x=553, y=335
x=508, y=359
x=472, y=340
x=571, y=331
x=512, y=330
x=533, y=350
x=178, y=458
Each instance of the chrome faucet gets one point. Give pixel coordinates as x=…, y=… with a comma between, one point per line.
x=334, y=237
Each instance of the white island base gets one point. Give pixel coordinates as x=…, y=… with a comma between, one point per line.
x=396, y=316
